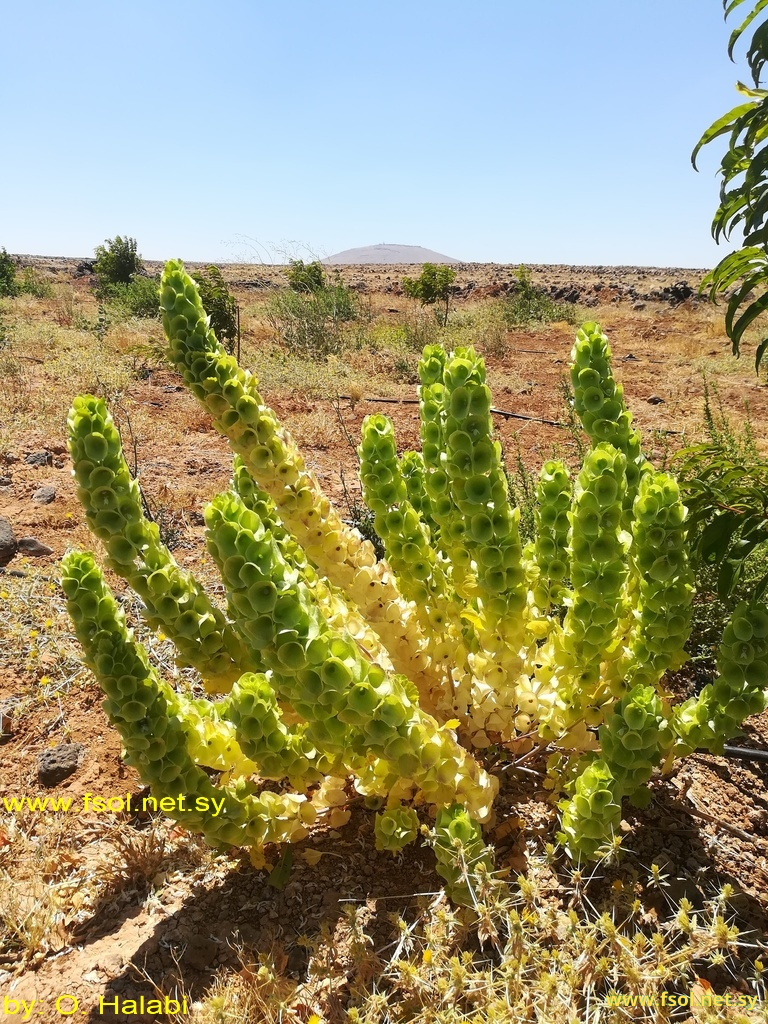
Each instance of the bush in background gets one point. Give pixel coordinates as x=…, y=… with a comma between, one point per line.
x=117, y=261
x=219, y=304
x=431, y=286
x=529, y=304
x=305, y=277
x=7, y=274
x=121, y=282
x=310, y=317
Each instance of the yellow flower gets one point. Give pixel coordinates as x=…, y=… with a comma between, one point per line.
x=44, y=680
x=33, y=633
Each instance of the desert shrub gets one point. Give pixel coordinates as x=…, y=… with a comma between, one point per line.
x=220, y=305
x=117, y=261
x=420, y=330
x=312, y=323
x=140, y=297
x=724, y=482
x=30, y=282
x=433, y=285
x=305, y=277
x=400, y=674
x=528, y=304
x=7, y=274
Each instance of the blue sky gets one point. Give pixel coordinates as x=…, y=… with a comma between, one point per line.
x=502, y=132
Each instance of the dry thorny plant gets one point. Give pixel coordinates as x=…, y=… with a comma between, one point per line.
x=525, y=954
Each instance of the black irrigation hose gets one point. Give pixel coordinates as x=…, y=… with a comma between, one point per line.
x=498, y=412
x=741, y=753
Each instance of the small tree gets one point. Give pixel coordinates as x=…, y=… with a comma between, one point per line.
x=117, y=261
x=433, y=285
x=7, y=274
x=743, y=275
x=305, y=277
x=220, y=305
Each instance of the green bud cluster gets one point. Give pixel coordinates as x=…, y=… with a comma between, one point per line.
x=173, y=600
x=350, y=704
x=739, y=689
x=151, y=719
x=395, y=827
x=423, y=575
x=599, y=403
x=550, y=550
x=337, y=610
x=278, y=750
x=460, y=851
x=591, y=817
x=635, y=735
x=406, y=540
x=662, y=613
x=230, y=394
x=467, y=487
x=414, y=475
x=598, y=561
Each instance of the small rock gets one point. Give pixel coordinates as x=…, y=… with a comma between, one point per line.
x=44, y=495
x=629, y=357
x=58, y=763
x=41, y=458
x=33, y=547
x=58, y=463
x=5, y=481
x=655, y=400
x=200, y=952
x=9, y=458
x=638, y=305
x=8, y=545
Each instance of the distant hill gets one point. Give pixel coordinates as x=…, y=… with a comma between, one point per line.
x=385, y=253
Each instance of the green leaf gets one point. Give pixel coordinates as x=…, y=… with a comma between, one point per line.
x=760, y=587
x=758, y=51
x=278, y=876
x=730, y=7
x=716, y=537
x=720, y=127
x=747, y=90
x=760, y=352
x=728, y=578
x=753, y=311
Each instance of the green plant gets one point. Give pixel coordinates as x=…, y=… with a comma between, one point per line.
x=529, y=304
x=140, y=297
x=305, y=277
x=32, y=283
x=312, y=323
x=724, y=484
x=7, y=274
x=333, y=665
x=219, y=304
x=117, y=261
x=743, y=192
x=431, y=286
